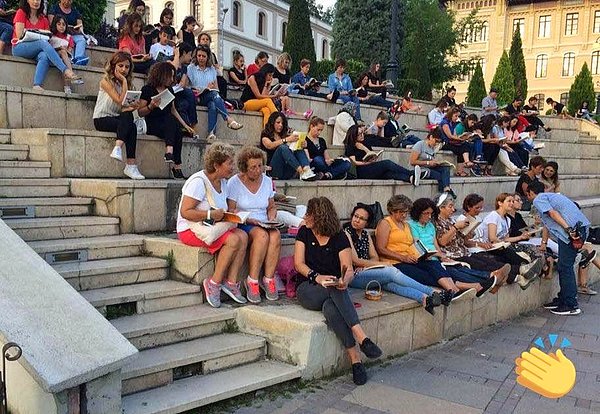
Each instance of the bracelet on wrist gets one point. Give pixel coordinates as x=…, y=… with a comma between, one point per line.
x=312, y=277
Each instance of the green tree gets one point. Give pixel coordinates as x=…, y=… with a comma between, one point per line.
x=298, y=40
x=477, y=90
x=517, y=62
x=581, y=90
x=503, y=81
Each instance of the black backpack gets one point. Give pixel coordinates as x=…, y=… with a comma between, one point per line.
x=594, y=235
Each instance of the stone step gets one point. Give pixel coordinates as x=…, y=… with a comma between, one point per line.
x=46, y=207
x=93, y=248
x=4, y=136
x=107, y=273
x=199, y=391
x=148, y=297
x=12, y=152
x=24, y=169
x=163, y=365
x=583, y=147
x=24, y=187
x=99, y=55
x=63, y=227
x=154, y=329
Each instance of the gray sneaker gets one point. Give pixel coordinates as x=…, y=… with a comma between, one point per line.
x=212, y=293
x=529, y=272
x=279, y=283
x=233, y=291
x=252, y=292
x=268, y=285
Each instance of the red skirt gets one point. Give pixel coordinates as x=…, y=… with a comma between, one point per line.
x=189, y=238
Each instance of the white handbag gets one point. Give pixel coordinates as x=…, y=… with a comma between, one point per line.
x=210, y=233
x=140, y=124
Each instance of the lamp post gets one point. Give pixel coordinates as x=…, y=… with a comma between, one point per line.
x=391, y=72
x=221, y=30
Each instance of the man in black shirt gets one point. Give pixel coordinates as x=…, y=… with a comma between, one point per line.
x=530, y=112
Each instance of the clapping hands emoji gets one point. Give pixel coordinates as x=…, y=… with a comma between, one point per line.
x=551, y=375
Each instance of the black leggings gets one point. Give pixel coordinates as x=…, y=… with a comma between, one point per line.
x=125, y=128
x=482, y=261
x=167, y=128
x=335, y=304
x=458, y=150
x=510, y=256
x=490, y=152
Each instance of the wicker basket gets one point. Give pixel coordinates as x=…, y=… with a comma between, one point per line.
x=373, y=294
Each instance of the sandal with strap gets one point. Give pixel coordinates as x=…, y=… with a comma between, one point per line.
x=235, y=125
x=462, y=174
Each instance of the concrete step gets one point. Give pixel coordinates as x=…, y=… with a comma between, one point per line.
x=24, y=169
x=148, y=297
x=582, y=147
x=163, y=365
x=4, y=136
x=199, y=391
x=107, y=273
x=19, y=187
x=63, y=227
x=154, y=329
x=12, y=152
x=45, y=207
x=93, y=248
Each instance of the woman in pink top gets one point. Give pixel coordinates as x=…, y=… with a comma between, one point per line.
x=132, y=41
x=29, y=16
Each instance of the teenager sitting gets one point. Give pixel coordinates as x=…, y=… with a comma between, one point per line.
x=340, y=82
x=204, y=39
x=75, y=24
x=436, y=115
x=237, y=73
x=261, y=59
x=531, y=112
x=472, y=129
x=375, y=133
x=449, y=97
x=558, y=109
x=162, y=51
x=301, y=83
x=185, y=100
x=186, y=33
x=407, y=104
x=459, y=145
x=321, y=162
x=536, y=166
x=132, y=41
x=507, y=156
x=257, y=95
x=282, y=74
x=135, y=6
x=365, y=96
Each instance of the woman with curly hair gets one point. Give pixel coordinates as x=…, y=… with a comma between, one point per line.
x=322, y=255
x=132, y=41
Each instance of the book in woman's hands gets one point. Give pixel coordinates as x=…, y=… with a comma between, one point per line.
x=131, y=97
x=531, y=230
x=448, y=263
x=473, y=224
x=445, y=163
x=424, y=252
x=379, y=266
x=297, y=145
x=166, y=97
x=270, y=224
x=498, y=246
x=239, y=217
x=280, y=88
x=372, y=155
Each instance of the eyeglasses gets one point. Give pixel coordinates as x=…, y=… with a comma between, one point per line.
x=400, y=211
x=359, y=217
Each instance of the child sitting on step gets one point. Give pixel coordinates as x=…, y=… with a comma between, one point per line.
x=63, y=44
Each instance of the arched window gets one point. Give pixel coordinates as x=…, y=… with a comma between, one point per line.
x=541, y=66
x=324, y=49
x=595, y=63
x=262, y=24
x=283, y=32
x=170, y=5
x=483, y=36
x=564, y=98
x=541, y=101
x=236, y=14
x=568, y=64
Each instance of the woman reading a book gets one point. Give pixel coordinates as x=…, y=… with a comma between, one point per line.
x=283, y=76
x=367, y=97
x=112, y=115
x=345, y=118
x=458, y=144
x=368, y=267
x=30, y=16
x=203, y=80
x=204, y=200
x=323, y=257
x=327, y=168
x=252, y=191
x=257, y=95
x=132, y=41
x=367, y=164
x=284, y=161
x=423, y=155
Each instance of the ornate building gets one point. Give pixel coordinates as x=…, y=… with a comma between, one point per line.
x=248, y=26
x=558, y=37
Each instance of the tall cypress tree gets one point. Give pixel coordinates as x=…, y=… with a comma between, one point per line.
x=503, y=81
x=517, y=62
x=477, y=90
x=299, y=42
x=581, y=90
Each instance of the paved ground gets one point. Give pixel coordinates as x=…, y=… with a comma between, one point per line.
x=473, y=374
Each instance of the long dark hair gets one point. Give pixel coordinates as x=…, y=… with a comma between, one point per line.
x=166, y=11
x=261, y=76
x=348, y=226
x=133, y=4
x=269, y=130
x=351, y=136
x=188, y=19
x=159, y=73
x=360, y=78
x=554, y=178
x=57, y=18
x=24, y=5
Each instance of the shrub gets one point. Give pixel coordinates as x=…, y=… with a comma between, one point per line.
x=581, y=90
x=477, y=90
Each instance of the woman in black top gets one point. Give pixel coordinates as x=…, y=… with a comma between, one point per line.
x=362, y=92
x=356, y=150
x=237, y=73
x=375, y=83
x=186, y=33
x=164, y=123
x=256, y=95
x=322, y=254
x=326, y=167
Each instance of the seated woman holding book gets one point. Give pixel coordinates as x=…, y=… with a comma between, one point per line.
x=471, y=126
x=367, y=97
x=132, y=41
x=257, y=95
x=282, y=74
x=305, y=85
x=203, y=80
x=204, y=199
x=375, y=133
x=323, y=257
x=285, y=163
x=459, y=145
x=251, y=191
x=507, y=156
x=422, y=155
x=327, y=168
x=368, y=267
x=367, y=164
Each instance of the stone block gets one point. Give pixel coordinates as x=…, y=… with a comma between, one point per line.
x=154, y=380
x=485, y=310
x=230, y=361
x=103, y=395
x=3, y=110
x=15, y=110
x=427, y=329
x=395, y=332
x=149, y=209
x=153, y=340
x=458, y=318
x=169, y=302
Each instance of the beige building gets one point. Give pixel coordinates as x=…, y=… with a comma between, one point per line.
x=558, y=37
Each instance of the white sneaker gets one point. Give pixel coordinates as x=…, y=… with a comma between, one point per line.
x=308, y=175
x=211, y=137
x=68, y=90
x=416, y=177
x=539, y=145
x=117, y=153
x=132, y=172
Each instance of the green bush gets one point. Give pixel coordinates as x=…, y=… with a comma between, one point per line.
x=517, y=63
x=581, y=90
x=504, y=81
x=323, y=68
x=477, y=90
x=299, y=41
x=404, y=85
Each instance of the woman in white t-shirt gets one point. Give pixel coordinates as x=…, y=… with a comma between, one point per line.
x=252, y=191
x=204, y=198
x=496, y=225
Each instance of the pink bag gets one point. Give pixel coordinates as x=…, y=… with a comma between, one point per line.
x=287, y=272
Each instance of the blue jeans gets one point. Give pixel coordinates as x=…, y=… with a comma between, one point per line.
x=392, y=280
x=6, y=31
x=383, y=170
x=215, y=105
x=477, y=148
x=285, y=162
x=337, y=169
x=45, y=55
x=80, y=45
x=566, y=275
x=379, y=101
x=185, y=103
x=442, y=175
x=466, y=275
x=346, y=98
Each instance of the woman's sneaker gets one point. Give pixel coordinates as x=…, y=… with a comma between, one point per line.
x=370, y=349
x=212, y=293
x=586, y=290
x=233, y=291
x=308, y=175
x=117, y=153
x=268, y=285
x=132, y=172
x=252, y=291
x=565, y=310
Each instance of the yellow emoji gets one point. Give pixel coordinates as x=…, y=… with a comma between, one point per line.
x=551, y=375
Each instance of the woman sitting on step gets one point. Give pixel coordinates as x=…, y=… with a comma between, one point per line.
x=257, y=95
x=323, y=257
x=327, y=168
x=132, y=41
x=204, y=199
x=252, y=191
x=30, y=16
x=111, y=116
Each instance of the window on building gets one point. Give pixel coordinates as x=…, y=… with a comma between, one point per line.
x=196, y=7
x=236, y=14
x=595, y=63
x=541, y=66
x=170, y=5
x=564, y=98
x=324, y=49
x=568, y=67
x=541, y=101
x=262, y=24
x=283, y=32
x=544, y=27
x=483, y=32
x=519, y=24
x=572, y=24
x=597, y=21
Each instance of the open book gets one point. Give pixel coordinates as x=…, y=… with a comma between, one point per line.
x=312, y=83
x=166, y=97
x=131, y=97
x=280, y=88
x=57, y=42
x=498, y=246
x=241, y=216
x=297, y=145
x=473, y=224
x=531, y=230
x=200, y=91
x=372, y=155
x=423, y=252
x=455, y=263
x=445, y=163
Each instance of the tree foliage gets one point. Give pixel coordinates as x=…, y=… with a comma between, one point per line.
x=320, y=12
x=323, y=68
x=477, y=90
x=503, y=81
x=517, y=62
x=581, y=90
x=299, y=42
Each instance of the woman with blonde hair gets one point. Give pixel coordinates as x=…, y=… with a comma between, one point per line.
x=283, y=76
x=132, y=41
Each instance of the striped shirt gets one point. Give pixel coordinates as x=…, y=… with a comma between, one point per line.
x=545, y=202
x=200, y=78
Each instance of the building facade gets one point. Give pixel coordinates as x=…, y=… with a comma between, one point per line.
x=558, y=37
x=248, y=26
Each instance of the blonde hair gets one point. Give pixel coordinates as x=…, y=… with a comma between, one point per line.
x=217, y=154
x=282, y=57
x=248, y=153
x=111, y=65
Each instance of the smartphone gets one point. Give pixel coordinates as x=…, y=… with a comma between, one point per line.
x=332, y=283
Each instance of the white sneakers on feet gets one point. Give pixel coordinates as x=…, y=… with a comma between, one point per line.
x=132, y=172
x=308, y=175
x=117, y=153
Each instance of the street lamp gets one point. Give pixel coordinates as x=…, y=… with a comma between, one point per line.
x=221, y=30
x=391, y=72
